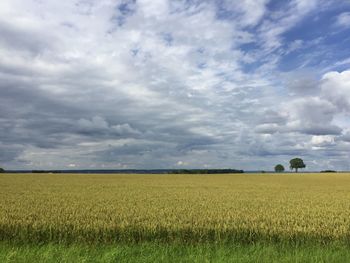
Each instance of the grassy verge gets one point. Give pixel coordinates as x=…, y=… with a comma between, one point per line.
x=152, y=252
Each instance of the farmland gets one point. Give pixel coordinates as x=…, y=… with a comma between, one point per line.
x=186, y=208
x=242, y=209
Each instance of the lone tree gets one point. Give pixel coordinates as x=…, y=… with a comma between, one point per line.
x=2, y=170
x=297, y=163
x=279, y=168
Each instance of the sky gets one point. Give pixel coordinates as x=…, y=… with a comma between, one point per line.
x=153, y=84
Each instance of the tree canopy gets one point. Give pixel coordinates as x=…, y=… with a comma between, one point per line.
x=279, y=168
x=296, y=164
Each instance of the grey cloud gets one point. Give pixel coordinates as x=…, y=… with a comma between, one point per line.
x=345, y=137
x=72, y=94
x=24, y=39
x=272, y=117
x=9, y=152
x=314, y=110
x=312, y=115
x=265, y=150
x=124, y=129
x=99, y=124
x=320, y=129
x=302, y=83
x=267, y=128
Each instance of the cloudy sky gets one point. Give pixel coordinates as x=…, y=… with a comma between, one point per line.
x=174, y=84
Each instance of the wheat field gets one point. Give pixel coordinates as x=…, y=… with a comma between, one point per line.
x=107, y=208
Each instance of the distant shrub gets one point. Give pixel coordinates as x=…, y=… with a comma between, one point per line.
x=2, y=170
x=279, y=168
x=328, y=171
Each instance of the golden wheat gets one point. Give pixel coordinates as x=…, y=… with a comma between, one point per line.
x=186, y=208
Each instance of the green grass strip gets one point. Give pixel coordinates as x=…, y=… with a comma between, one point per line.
x=152, y=252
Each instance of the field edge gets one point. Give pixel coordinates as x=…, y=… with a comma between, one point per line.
x=153, y=252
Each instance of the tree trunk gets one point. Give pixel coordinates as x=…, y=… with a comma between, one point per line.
x=296, y=170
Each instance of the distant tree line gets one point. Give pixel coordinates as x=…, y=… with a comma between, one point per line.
x=46, y=171
x=205, y=171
